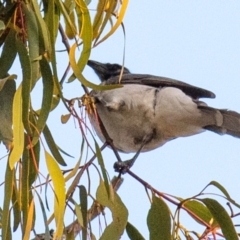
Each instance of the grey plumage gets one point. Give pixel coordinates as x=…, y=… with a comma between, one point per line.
x=155, y=108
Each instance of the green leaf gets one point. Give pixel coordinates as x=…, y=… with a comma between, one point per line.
x=16, y=206
x=133, y=233
x=6, y=103
x=52, y=146
x=47, y=99
x=47, y=231
x=9, y=53
x=25, y=189
x=43, y=31
x=119, y=213
x=201, y=211
x=33, y=42
x=83, y=199
x=26, y=83
x=224, y=191
x=51, y=18
x=79, y=214
x=103, y=169
x=222, y=217
x=158, y=220
x=8, y=190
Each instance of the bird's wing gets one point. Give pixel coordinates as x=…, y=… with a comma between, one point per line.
x=158, y=82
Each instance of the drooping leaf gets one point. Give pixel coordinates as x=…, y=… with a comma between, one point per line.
x=47, y=99
x=103, y=169
x=8, y=190
x=9, y=53
x=29, y=221
x=70, y=31
x=26, y=84
x=6, y=103
x=201, y=211
x=18, y=129
x=47, y=231
x=98, y=18
x=33, y=43
x=73, y=172
x=59, y=190
x=158, y=220
x=133, y=233
x=119, y=213
x=16, y=206
x=119, y=20
x=109, y=8
x=224, y=191
x=52, y=146
x=83, y=200
x=44, y=41
x=25, y=188
x=222, y=217
x=51, y=18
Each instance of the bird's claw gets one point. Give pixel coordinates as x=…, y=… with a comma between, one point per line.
x=123, y=167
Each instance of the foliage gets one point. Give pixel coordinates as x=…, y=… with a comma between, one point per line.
x=29, y=31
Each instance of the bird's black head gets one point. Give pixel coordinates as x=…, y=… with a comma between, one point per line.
x=106, y=70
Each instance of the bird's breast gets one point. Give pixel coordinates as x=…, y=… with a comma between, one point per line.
x=132, y=112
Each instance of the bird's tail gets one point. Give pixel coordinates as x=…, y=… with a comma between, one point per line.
x=225, y=121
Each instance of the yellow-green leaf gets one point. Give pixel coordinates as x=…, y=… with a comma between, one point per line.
x=119, y=21
x=73, y=172
x=29, y=221
x=18, y=129
x=69, y=30
x=82, y=79
x=59, y=190
x=65, y=118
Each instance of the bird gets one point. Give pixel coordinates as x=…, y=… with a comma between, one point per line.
x=147, y=111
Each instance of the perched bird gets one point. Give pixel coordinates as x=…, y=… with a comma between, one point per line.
x=149, y=111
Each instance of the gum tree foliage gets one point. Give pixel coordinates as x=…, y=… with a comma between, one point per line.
x=29, y=31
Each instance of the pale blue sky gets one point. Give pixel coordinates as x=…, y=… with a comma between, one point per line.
x=193, y=41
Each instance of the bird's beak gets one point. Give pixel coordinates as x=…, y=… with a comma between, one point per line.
x=99, y=68
x=96, y=66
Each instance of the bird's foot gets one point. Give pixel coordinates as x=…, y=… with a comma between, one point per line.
x=124, y=166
